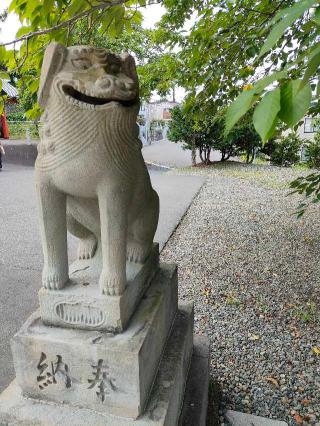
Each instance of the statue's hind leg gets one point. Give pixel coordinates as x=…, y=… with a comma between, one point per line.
x=142, y=230
x=88, y=242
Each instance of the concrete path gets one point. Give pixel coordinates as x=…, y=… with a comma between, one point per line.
x=171, y=154
x=20, y=250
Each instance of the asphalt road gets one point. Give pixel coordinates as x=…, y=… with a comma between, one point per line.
x=20, y=249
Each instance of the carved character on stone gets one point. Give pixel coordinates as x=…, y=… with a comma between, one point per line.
x=90, y=173
x=58, y=371
x=102, y=380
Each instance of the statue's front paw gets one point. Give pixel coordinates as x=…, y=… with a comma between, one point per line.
x=137, y=252
x=112, y=284
x=53, y=280
x=87, y=247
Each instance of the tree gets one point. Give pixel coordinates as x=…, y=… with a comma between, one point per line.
x=290, y=96
x=194, y=133
x=244, y=138
x=182, y=128
x=219, y=54
x=268, y=51
x=206, y=134
x=114, y=24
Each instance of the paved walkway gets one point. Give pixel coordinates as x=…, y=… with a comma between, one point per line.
x=171, y=154
x=20, y=249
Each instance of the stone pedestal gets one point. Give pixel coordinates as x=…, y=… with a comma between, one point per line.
x=81, y=305
x=141, y=376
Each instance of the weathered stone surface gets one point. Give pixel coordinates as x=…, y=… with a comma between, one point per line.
x=164, y=405
x=102, y=371
x=90, y=174
x=195, y=405
x=235, y=418
x=81, y=305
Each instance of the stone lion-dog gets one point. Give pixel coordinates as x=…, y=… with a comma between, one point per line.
x=90, y=174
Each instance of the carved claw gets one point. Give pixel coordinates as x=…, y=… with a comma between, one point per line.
x=87, y=248
x=52, y=280
x=137, y=252
x=111, y=285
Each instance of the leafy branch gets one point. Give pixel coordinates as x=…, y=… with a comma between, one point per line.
x=105, y=5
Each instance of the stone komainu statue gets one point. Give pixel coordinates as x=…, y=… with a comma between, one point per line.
x=90, y=173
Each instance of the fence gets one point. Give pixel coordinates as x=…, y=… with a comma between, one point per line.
x=23, y=130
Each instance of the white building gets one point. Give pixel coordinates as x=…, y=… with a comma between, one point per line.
x=308, y=129
x=149, y=115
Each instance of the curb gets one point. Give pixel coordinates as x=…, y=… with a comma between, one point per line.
x=158, y=166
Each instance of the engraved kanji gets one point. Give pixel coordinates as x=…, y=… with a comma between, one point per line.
x=50, y=375
x=103, y=380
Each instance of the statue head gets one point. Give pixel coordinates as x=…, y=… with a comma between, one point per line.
x=87, y=77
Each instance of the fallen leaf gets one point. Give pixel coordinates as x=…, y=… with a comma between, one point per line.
x=316, y=350
x=305, y=402
x=298, y=419
x=254, y=337
x=273, y=381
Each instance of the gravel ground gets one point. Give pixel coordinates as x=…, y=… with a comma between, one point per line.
x=253, y=271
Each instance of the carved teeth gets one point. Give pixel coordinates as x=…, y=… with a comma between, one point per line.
x=74, y=313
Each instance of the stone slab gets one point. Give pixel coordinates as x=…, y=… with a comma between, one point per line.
x=195, y=405
x=81, y=305
x=163, y=408
x=110, y=373
x=235, y=418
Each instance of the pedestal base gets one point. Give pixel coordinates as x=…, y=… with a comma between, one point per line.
x=164, y=407
x=109, y=373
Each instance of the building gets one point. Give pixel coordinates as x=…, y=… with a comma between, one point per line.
x=308, y=128
x=11, y=101
x=153, y=120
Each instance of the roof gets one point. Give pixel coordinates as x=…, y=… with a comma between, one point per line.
x=11, y=91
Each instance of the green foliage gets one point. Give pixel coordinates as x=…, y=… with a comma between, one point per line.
x=208, y=133
x=313, y=152
x=285, y=151
x=18, y=130
x=114, y=24
x=295, y=32
x=16, y=116
x=308, y=186
x=3, y=15
x=193, y=133
x=266, y=113
x=244, y=138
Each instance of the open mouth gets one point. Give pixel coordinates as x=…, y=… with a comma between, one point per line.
x=91, y=100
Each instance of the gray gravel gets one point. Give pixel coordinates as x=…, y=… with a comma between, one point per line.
x=253, y=270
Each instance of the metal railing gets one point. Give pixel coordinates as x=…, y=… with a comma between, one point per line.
x=26, y=130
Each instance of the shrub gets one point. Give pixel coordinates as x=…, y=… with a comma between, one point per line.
x=246, y=140
x=16, y=116
x=286, y=150
x=18, y=130
x=313, y=152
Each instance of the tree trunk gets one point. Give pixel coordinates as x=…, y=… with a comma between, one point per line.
x=252, y=157
x=200, y=154
x=209, y=153
x=194, y=153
